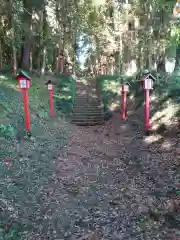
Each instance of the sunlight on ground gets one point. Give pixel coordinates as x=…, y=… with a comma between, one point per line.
x=3, y=78
x=10, y=83
x=153, y=138
x=124, y=127
x=166, y=144
x=164, y=115
x=114, y=105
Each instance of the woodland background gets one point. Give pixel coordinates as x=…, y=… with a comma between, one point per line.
x=34, y=33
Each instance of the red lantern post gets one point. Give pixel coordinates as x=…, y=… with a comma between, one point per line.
x=125, y=89
x=148, y=85
x=24, y=85
x=50, y=90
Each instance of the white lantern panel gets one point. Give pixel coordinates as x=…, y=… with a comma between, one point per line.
x=126, y=88
x=148, y=83
x=50, y=86
x=23, y=83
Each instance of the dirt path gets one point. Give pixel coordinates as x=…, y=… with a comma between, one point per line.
x=108, y=180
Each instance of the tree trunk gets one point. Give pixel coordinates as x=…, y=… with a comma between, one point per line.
x=26, y=52
x=27, y=17
x=13, y=38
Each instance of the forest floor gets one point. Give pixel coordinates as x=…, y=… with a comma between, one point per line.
x=92, y=183
x=117, y=184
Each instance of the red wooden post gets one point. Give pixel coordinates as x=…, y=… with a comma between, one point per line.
x=26, y=109
x=147, y=110
x=148, y=85
x=125, y=89
x=24, y=85
x=50, y=90
x=124, y=107
x=51, y=107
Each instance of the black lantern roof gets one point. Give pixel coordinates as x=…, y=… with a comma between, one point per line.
x=126, y=83
x=49, y=82
x=149, y=76
x=24, y=74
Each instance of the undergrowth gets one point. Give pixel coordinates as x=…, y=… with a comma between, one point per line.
x=166, y=91
x=65, y=94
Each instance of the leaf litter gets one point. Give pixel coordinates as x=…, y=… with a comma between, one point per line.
x=105, y=183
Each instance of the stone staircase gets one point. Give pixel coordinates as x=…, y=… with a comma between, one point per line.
x=88, y=107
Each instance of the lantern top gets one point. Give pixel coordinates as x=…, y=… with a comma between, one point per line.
x=126, y=83
x=24, y=74
x=149, y=76
x=49, y=82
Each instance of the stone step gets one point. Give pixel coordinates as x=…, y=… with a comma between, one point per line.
x=86, y=117
x=87, y=105
x=87, y=113
x=90, y=113
x=94, y=103
x=88, y=123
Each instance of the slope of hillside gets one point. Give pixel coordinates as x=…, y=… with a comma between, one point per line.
x=27, y=164
x=165, y=98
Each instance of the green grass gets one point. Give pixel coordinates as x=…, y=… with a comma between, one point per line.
x=110, y=89
x=65, y=95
